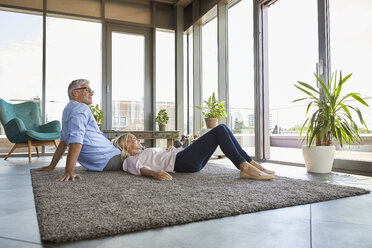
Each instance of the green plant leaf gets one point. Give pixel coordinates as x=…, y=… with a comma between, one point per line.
x=359, y=99
x=162, y=117
x=213, y=108
x=308, y=86
x=308, y=93
x=360, y=117
x=345, y=78
x=308, y=107
x=97, y=113
x=344, y=107
x=324, y=87
x=338, y=135
x=334, y=84
x=301, y=99
x=303, y=127
x=333, y=118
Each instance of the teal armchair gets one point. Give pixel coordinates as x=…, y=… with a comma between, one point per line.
x=23, y=126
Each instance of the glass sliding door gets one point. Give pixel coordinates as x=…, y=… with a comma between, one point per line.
x=351, y=52
x=128, y=82
x=209, y=59
x=241, y=74
x=165, y=75
x=292, y=57
x=190, y=83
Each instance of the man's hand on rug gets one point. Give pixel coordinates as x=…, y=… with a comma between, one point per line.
x=69, y=176
x=163, y=176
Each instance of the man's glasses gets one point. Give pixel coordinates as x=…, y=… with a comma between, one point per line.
x=87, y=89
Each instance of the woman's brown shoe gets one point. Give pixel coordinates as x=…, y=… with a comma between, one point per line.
x=260, y=176
x=270, y=172
x=261, y=168
x=248, y=171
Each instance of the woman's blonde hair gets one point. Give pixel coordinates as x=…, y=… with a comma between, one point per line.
x=121, y=142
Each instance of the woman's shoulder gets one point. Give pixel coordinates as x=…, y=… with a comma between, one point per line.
x=154, y=149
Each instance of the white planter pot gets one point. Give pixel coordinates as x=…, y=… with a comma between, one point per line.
x=319, y=159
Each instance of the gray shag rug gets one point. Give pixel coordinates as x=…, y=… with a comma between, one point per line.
x=115, y=202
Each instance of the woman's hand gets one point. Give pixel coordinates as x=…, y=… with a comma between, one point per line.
x=170, y=148
x=163, y=176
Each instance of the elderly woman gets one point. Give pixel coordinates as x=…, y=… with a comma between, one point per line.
x=156, y=162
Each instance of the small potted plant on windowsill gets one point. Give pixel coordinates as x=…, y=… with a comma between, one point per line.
x=332, y=120
x=97, y=114
x=212, y=110
x=162, y=119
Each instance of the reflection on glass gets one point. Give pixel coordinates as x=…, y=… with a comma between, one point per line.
x=209, y=59
x=241, y=74
x=128, y=60
x=20, y=63
x=293, y=54
x=73, y=52
x=351, y=52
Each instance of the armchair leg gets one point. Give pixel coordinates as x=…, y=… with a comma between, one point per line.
x=37, y=151
x=29, y=142
x=13, y=148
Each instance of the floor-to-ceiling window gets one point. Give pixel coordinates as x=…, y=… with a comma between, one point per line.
x=241, y=73
x=209, y=58
x=73, y=51
x=20, y=62
x=292, y=57
x=185, y=83
x=165, y=79
x=188, y=83
x=165, y=76
x=351, y=52
x=128, y=76
x=191, y=84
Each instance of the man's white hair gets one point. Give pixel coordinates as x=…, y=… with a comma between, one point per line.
x=76, y=84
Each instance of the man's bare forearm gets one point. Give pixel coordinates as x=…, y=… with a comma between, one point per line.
x=58, y=154
x=72, y=157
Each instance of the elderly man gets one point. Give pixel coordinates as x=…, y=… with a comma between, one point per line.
x=80, y=132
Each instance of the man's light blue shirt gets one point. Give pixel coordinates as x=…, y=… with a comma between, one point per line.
x=79, y=126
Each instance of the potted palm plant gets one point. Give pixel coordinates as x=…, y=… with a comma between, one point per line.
x=162, y=119
x=332, y=120
x=212, y=110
